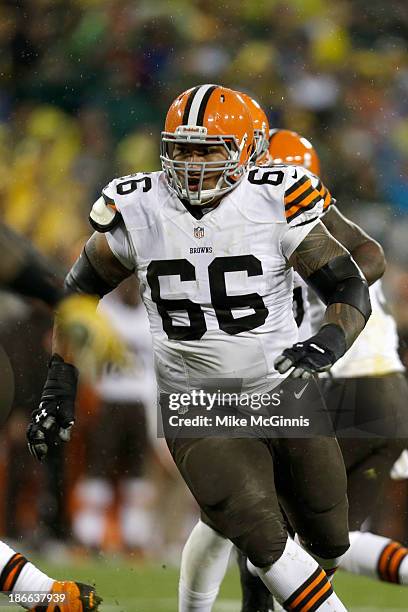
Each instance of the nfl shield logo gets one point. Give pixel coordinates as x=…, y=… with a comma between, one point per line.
x=198, y=232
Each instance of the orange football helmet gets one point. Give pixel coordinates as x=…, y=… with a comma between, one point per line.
x=207, y=115
x=287, y=147
x=261, y=130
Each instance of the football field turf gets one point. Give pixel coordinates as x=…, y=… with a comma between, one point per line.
x=135, y=587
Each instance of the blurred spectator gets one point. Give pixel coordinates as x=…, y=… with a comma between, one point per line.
x=115, y=483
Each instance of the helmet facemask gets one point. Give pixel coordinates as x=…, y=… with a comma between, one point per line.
x=261, y=146
x=182, y=175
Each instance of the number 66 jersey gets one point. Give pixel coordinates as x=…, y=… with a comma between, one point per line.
x=218, y=290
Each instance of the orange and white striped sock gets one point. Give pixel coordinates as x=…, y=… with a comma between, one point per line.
x=17, y=574
x=377, y=557
x=299, y=583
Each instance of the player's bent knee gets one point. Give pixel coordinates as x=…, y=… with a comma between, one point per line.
x=263, y=545
x=328, y=550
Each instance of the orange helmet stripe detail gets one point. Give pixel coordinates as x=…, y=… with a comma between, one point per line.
x=188, y=104
x=196, y=105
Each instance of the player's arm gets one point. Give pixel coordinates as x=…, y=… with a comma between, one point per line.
x=366, y=252
x=330, y=271
x=24, y=271
x=96, y=272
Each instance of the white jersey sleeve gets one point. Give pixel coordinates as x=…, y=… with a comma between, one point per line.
x=118, y=237
x=120, y=244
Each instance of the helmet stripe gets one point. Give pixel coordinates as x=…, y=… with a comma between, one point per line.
x=199, y=100
x=203, y=105
x=188, y=104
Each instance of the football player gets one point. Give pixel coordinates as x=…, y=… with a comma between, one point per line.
x=370, y=378
x=205, y=556
x=23, y=271
x=367, y=384
x=213, y=244
x=260, y=154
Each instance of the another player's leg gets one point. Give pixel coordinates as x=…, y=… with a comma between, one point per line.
x=368, y=463
x=18, y=576
x=203, y=565
x=256, y=597
x=236, y=492
x=377, y=557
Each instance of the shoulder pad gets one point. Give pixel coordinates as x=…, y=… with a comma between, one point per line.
x=104, y=216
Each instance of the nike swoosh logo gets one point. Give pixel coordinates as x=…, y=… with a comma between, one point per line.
x=294, y=174
x=299, y=395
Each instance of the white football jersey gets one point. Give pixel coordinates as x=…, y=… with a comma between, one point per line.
x=375, y=352
x=218, y=290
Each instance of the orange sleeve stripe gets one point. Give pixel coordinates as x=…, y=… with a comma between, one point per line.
x=318, y=595
x=394, y=564
x=327, y=200
x=301, y=189
x=313, y=197
x=384, y=559
x=326, y=195
x=321, y=576
x=9, y=582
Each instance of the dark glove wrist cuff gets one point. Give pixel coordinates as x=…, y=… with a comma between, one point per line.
x=333, y=338
x=65, y=373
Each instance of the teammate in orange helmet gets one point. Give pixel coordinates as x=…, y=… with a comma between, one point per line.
x=287, y=147
x=370, y=554
x=260, y=155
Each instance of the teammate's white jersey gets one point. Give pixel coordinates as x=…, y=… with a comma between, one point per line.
x=374, y=353
x=218, y=290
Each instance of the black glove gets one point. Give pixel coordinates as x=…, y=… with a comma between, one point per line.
x=317, y=354
x=53, y=419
